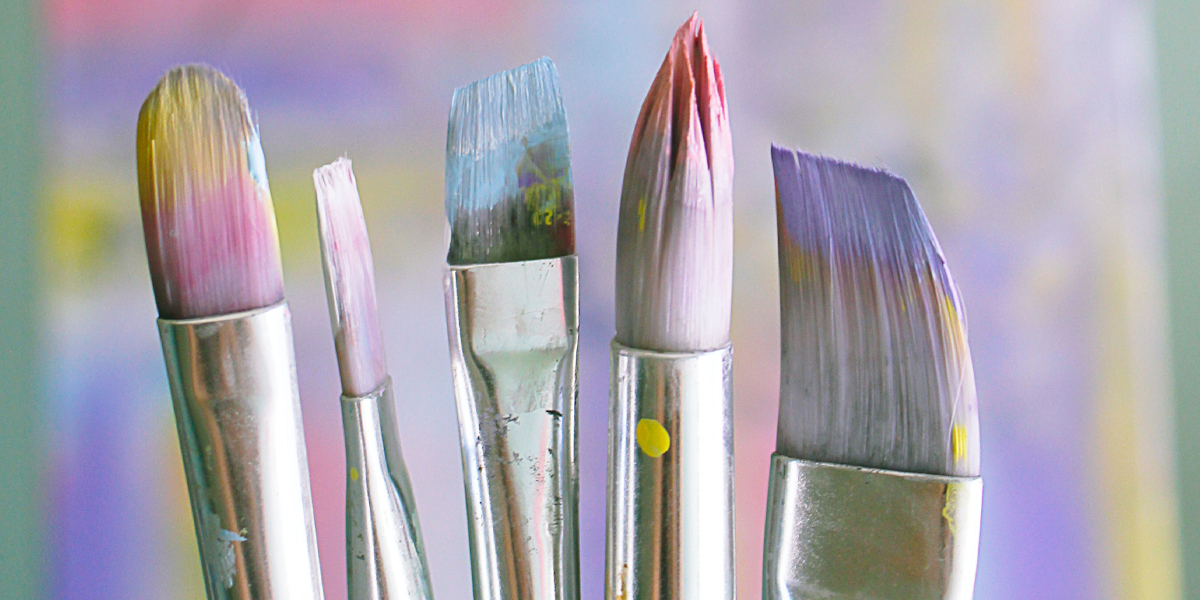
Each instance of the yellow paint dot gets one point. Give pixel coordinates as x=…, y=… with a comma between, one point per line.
x=958, y=442
x=642, y=215
x=353, y=474
x=653, y=438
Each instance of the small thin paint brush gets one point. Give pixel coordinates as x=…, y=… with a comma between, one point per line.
x=671, y=509
x=878, y=439
x=214, y=262
x=349, y=280
x=385, y=556
x=512, y=314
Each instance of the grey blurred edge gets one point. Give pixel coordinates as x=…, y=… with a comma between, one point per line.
x=1177, y=25
x=22, y=528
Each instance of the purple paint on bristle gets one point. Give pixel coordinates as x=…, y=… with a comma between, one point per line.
x=875, y=369
x=207, y=216
x=349, y=280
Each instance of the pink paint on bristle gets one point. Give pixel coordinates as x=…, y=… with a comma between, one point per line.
x=349, y=280
x=207, y=215
x=675, y=237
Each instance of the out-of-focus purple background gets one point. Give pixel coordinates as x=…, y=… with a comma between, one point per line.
x=1028, y=130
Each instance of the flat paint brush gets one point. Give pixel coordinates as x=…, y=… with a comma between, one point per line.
x=226, y=332
x=670, y=474
x=385, y=557
x=512, y=315
x=875, y=488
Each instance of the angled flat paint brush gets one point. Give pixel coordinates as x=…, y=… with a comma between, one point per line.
x=874, y=488
x=512, y=315
x=385, y=557
x=226, y=333
x=670, y=474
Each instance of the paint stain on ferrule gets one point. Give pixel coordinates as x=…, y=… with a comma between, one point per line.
x=353, y=474
x=653, y=438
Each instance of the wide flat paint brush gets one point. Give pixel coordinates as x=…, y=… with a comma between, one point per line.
x=385, y=557
x=670, y=472
x=512, y=315
x=874, y=488
x=226, y=333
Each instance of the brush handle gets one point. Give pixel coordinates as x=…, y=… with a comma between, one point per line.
x=237, y=408
x=670, y=476
x=514, y=354
x=843, y=533
x=385, y=557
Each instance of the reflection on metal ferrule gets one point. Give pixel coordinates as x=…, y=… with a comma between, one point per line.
x=845, y=533
x=670, y=476
x=233, y=385
x=385, y=557
x=514, y=353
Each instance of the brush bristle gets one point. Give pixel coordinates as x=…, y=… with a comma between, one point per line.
x=508, y=169
x=675, y=237
x=876, y=371
x=207, y=215
x=349, y=280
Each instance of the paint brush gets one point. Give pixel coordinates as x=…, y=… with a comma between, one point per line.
x=670, y=486
x=512, y=316
x=874, y=489
x=213, y=252
x=385, y=557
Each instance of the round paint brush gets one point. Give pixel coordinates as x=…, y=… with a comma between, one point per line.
x=874, y=487
x=226, y=333
x=670, y=472
x=385, y=557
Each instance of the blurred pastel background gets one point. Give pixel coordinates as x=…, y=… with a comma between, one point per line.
x=1054, y=144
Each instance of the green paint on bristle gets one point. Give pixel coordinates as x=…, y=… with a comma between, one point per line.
x=536, y=222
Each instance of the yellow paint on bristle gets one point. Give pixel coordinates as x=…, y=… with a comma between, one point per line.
x=353, y=474
x=642, y=214
x=653, y=438
x=958, y=442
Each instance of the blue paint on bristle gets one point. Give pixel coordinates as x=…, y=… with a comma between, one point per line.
x=508, y=169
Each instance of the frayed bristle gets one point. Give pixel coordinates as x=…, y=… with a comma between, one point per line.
x=675, y=237
x=508, y=169
x=207, y=215
x=876, y=371
x=349, y=280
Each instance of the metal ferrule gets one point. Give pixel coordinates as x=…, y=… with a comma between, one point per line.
x=670, y=515
x=385, y=558
x=839, y=532
x=514, y=352
x=233, y=385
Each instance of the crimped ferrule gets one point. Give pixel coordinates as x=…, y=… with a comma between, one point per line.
x=237, y=408
x=670, y=476
x=385, y=557
x=514, y=351
x=839, y=532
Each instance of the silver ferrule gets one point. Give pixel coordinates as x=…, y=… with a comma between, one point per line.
x=514, y=352
x=385, y=557
x=233, y=385
x=670, y=514
x=844, y=533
